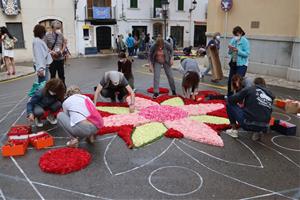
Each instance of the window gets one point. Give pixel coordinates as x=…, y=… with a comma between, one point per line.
x=16, y=30
x=180, y=4
x=133, y=3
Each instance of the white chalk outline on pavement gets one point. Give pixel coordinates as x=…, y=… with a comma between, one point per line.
x=281, y=154
x=16, y=178
x=2, y=195
x=290, y=149
x=228, y=176
x=137, y=167
x=285, y=115
x=227, y=161
x=175, y=194
x=270, y=194
x=26, y=177
x=11, y=110
x=4, y=134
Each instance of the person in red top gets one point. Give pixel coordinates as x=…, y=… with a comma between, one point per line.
x=125, y=66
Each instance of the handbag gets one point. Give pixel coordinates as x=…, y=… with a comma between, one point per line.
x=8, y=43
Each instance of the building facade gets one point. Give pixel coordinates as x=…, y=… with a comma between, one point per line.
x=100, y=21
x=20, y=17
x=273, y=29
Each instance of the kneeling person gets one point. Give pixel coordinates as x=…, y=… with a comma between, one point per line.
x=257, y=110
x=79, y=118
x=191, y=77
x=114, y=85
x=48, y=98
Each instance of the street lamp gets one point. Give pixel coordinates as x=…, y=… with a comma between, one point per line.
x=194, y=4
x=165, y=7
x=193, y=7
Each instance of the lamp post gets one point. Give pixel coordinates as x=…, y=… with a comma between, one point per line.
x=193, y=7
x=165, y=7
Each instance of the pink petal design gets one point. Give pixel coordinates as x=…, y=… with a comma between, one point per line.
x=127, y=119
x=201, y=109
x=196, y=131
x=141, y=103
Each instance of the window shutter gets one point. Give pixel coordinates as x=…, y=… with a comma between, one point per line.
x=180, y=4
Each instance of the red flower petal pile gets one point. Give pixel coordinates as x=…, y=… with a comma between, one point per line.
x=161, y=90
x=171, y=133
x=64, y=160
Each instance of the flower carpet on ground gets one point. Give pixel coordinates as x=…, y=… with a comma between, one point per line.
x=169, y=116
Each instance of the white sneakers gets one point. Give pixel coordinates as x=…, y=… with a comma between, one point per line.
x=232, y=132
x=38, y=123
x=52, y=120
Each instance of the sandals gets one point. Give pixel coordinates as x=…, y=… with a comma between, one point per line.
x=73, y=143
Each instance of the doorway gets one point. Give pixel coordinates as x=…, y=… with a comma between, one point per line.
x=199, y=35
x=177, y=33
x=138, y=30
x=103, y=34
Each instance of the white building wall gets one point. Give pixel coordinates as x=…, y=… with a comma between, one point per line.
x=34, y=11
x=142, y=16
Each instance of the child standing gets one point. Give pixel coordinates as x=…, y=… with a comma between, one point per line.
x=125, y=66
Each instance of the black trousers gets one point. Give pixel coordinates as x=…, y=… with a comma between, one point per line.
x=57, y=66
x=111, y=93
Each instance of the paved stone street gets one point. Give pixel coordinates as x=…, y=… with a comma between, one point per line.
x=165, y=169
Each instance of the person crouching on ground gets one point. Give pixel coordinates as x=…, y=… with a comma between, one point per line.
x=125, y=66
x=256, y=112
x=114, y=85
x=48, y=98
x=191, y=77
x=77, y=117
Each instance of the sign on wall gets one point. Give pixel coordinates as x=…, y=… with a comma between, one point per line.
x=226, y=5
x=10, y=7
x=101, y=12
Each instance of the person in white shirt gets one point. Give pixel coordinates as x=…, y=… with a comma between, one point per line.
x=74, y=118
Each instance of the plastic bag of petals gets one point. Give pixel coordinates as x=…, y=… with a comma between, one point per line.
x=19, y=130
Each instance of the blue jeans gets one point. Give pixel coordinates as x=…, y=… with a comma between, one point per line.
x=236, y=114
x=241, y=70
x=44, y=78
x=130, y=51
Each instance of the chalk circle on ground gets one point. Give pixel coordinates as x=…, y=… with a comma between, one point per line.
x=281, y=116
x=165, y=180
x=290, y=143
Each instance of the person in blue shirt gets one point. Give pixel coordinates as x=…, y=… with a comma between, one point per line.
x=239, y=51
x=130, y=44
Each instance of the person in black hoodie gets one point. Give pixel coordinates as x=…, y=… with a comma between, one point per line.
x=256, y=112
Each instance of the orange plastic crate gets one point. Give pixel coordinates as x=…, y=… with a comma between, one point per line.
x=43, y=142
x=14, y=149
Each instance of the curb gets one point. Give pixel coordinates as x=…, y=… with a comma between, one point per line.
x=17, y=77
